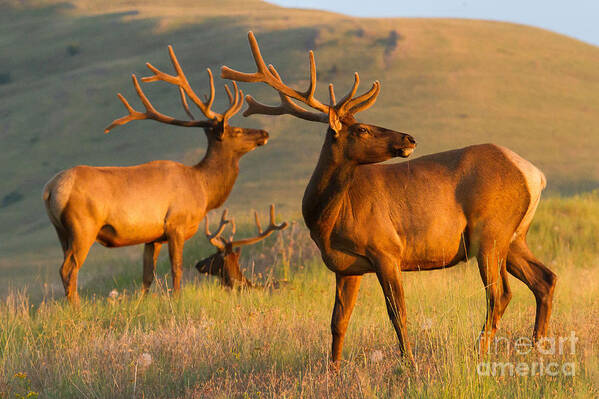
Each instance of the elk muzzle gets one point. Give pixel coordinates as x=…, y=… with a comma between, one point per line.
x=262, y=137
x=404, y=146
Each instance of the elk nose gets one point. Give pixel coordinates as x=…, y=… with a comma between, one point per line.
x=263, y=139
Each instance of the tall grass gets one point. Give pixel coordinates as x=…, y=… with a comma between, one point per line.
x=214, y=342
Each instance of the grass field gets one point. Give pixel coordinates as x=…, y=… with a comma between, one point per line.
x=449, y=83
x=213, y=342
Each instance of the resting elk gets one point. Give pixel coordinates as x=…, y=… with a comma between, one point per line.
x=225, y=262
x=153, y=203
x=429, y=213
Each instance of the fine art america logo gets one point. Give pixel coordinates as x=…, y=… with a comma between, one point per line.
x=548, y=349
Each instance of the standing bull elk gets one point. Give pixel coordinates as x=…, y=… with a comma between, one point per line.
x=225, y=262
x=152, y=203
x=430, y=213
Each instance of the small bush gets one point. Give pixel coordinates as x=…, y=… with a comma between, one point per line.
x=392, y=40
x=73, y=49
x=5, y=78
x=11, y=198
x=359, y=32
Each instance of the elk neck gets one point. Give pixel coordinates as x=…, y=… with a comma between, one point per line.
x=218, y=170
x=328, y=186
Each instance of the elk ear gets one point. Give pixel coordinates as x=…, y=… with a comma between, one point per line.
x=215, y=132
x=334, y=122
x=219, y=132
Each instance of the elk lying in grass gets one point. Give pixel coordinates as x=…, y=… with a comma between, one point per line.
x=225, y=262
x=152, y=203
x=429, y=213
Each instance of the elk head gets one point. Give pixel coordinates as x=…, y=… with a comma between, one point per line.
x=354, y=141
x=216, y=126
x=225, y=262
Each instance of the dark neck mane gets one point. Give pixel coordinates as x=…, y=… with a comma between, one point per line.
x=328, y=185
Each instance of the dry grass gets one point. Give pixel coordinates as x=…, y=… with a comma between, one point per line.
x=212, y=342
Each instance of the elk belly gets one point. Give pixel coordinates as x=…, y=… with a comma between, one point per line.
x=122, y=234
x=438, y=249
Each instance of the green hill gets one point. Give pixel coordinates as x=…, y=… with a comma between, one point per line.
x=448, y=82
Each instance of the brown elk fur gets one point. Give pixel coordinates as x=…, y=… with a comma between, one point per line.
x=431, y=212
x=153, y=203
x=225, y=265
x=225, y=262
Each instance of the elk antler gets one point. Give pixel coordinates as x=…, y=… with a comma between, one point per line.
x=180, y=80
x=152, y=113
x=287, y=106
x=215, y=239
x=347, y=106
x=272, y=227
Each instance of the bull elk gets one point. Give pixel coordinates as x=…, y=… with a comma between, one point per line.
x=429, y=213
x=225, y=262
x=152, y=203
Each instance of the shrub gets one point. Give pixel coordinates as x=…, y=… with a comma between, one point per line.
x=73, y=49
x=5, y=78
x=11, y=198
x=392, y=40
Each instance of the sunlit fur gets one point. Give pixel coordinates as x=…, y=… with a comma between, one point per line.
x=225, y=266
x=151, y=204
x=428, y=213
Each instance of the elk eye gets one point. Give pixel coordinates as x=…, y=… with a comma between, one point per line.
x=362, y=130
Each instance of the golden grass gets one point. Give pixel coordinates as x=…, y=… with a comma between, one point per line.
x=213, y=342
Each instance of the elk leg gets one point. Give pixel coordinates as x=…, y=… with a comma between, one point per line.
x=389, y=276
x=346, y=293
x=151, y=252
x=506, y=295
x=63, y=238
x=523, y=265
x=490, y=265
x=175, y=251
x=65, y=268
x=74, y=257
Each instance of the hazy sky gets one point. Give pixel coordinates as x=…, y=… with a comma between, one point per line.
x=576, y=18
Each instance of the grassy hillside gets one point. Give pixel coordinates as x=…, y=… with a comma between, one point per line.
x=450, y=83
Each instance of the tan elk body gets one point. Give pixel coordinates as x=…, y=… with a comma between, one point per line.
x=153, y=203
x=428, y=213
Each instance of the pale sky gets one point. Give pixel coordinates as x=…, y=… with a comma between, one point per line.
x=575, y=18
